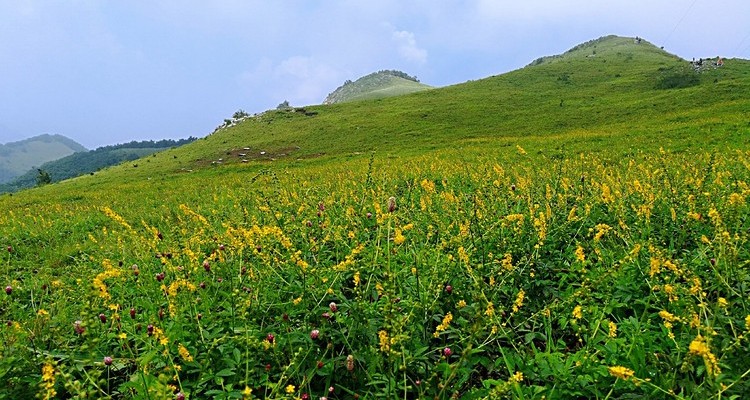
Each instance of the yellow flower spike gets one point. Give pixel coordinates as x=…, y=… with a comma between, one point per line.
x=385, y=343
x=580, y=256
x=184, y=353
x=519, y=301
x=612, y=329
x=700, y=347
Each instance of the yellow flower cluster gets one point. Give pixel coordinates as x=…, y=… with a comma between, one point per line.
x=519, y=301
x=184, y=353
x=612, y=329
x=490, y=311
x=580, y=256
x=507, y=262
x=443, y=325
x=349, y=260
x=385, y=343
x=398, y=237
x=109, y=272
x=48, y=381
x=116, y=217
x=699, y=347
x=621, y=372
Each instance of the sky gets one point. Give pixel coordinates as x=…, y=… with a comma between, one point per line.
x=105, y=72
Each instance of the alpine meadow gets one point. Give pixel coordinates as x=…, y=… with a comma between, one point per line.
x=577, y=228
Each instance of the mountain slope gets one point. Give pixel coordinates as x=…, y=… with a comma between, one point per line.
x=614, y=97
x=377, y=85
x=18, y=157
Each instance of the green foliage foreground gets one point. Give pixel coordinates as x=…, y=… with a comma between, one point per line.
x=519, y=276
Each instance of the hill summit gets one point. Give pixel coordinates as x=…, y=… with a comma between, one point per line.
x=386, y=83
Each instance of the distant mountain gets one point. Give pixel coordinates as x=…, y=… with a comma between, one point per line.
x=18, y=157
x=379, y=84
x=86, y=162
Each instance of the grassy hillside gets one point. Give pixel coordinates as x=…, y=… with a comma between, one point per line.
x=18, y=157
x=573, y=229
x=375, y=86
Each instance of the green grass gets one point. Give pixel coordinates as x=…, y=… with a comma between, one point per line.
x=570, y=217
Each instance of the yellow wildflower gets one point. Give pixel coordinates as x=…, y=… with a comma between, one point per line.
x=667, y=316
x=580, y=256
x=621, y=372
x=519, y=301
x=606, y=194
x=443, y=325
x=507, y=262
x=670, y=291
x=48, y=381
x=655, y=266
x=398, y=238
x=184, y=353
x=379, y=288
x=736, y=199
x=247, y=392
x=385, y=343
x=490, y=311
x=722, y=302
x=612, y=329
x=462, y=304
x=699, y=347
x=428, y=186
x=601, y=230
x=290, y=389
x=578, y=312
x=572, y=214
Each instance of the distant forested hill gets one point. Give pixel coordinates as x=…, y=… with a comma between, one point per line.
x=18, y=157
x=88, y=162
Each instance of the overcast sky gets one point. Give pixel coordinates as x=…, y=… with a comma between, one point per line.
x=106, y=72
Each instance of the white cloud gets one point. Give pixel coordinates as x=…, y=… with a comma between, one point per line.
x=301, y=80
x=407, y=47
